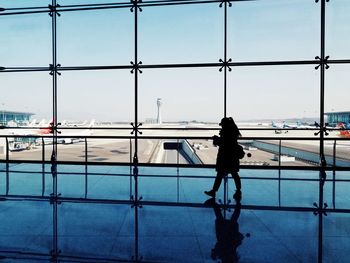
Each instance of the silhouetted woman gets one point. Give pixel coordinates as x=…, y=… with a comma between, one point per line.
x=229, y=153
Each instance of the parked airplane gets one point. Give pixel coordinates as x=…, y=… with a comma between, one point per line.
x=344, y=129
x=33, y=129
x=47, y=131
x=279, y=126
x=298, y=125
x=84, y=133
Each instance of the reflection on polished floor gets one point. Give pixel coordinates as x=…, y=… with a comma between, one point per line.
x=93, y=218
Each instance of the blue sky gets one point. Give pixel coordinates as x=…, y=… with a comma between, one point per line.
x=258, y=30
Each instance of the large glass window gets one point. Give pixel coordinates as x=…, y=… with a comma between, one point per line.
x=137, y=90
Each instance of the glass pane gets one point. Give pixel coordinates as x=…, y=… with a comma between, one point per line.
x=96, y=182
x=89, y=2
x=186, y=95
x=273, y=30
x=336, y=92
x=29, y=183
x=99, y=231
x=336, y=237
x=26, y=107
x=272, y=235
x=109, y=150
x=285, y=152
x=25, y=40
x=337, y=29
x=26, y=227
x=181, y=34
x=168, y=234
x=98, y=37
x=279, y=236
x=336, y=193
x=115, y=183
x=103, y=96
x=24, y=3
x=299, y=193
x=268, y=97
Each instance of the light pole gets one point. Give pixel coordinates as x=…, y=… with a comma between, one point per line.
x=159, y=115
x=3, y=114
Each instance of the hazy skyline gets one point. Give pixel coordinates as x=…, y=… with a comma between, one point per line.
x=264, y=30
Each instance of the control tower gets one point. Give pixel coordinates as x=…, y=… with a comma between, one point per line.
x=159, y=115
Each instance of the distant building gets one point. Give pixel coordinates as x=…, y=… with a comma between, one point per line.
x=14, y=116
x=336, y=117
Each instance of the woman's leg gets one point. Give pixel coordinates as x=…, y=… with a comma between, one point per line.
x=218, y=179
x=237, y=180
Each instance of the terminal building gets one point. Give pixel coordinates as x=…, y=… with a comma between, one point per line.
x=14, y=116
x=336, y=117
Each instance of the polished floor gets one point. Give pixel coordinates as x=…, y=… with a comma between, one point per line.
x=174, y=221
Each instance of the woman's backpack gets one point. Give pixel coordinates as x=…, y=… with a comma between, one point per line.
x=239, y=152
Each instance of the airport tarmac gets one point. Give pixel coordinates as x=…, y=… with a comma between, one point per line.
x=121, y=150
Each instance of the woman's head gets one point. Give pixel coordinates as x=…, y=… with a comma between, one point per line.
x=229, y=125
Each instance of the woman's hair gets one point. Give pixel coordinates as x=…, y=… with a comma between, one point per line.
x=229, y=126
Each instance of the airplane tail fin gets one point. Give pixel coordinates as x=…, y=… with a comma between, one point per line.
x=32, y=123
x=92, y=123
x=341, y=125
x=42, y=123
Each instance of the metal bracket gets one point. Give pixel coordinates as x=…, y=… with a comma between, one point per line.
x=322, y=61
x=324, y=130
x=135, y=128
x=317, y=212
x=136, y=67
x=224, y=206
x=53, y=198
x=225, y=64
x=53, y=254
x=53, y=69
x=135, y=203
x=53, y=9
x=316, y=1
x=226, y=1
x=54, y=128
x=135, y=3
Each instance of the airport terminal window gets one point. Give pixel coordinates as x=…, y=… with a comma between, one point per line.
x=115, y=95
x=161, y=28
x=184, y=93
x=126, y=96
x=273, y=30
x=256, y=90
